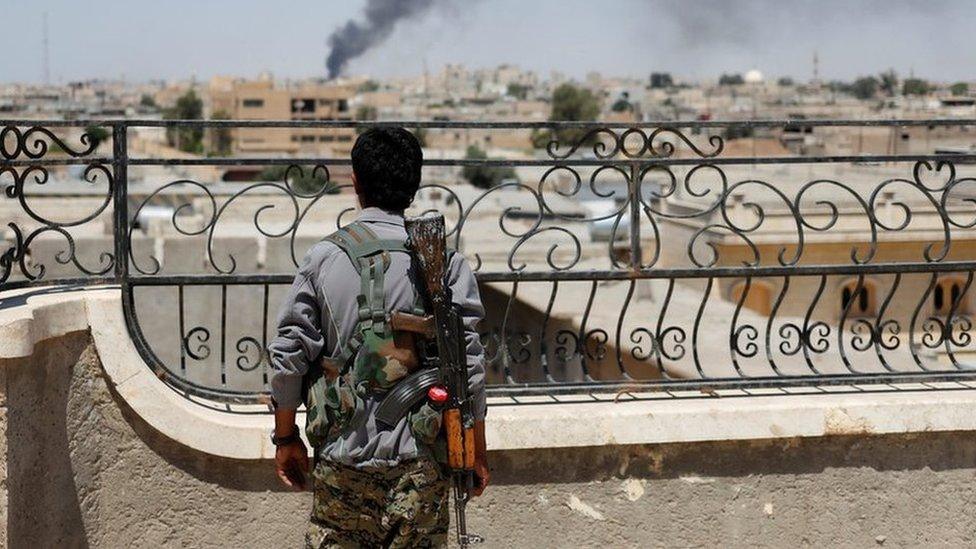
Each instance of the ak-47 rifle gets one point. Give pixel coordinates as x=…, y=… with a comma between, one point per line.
x=450, y=372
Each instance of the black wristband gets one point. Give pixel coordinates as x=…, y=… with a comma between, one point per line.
x=282, y=441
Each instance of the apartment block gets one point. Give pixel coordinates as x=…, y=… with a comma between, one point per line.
x=263, y=99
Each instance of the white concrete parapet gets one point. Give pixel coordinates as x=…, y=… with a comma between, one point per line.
x=28, y=317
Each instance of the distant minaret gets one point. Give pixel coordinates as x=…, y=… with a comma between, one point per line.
x=816, y=69
x=47, y=64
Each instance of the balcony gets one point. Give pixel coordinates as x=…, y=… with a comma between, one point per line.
x=683, y=328
x=629, y=260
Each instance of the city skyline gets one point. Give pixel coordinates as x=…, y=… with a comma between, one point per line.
x=248, y=37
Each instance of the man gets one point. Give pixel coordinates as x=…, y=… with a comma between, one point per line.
x=373, y=485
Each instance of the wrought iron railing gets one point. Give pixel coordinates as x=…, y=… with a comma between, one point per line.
x=616, y=258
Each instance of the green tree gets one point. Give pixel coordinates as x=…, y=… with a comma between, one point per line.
x=785, y=82
x=572, y=103
x=838, y=86
x=368, y=86
x=484, y=177
x=915, y=86
x=620, y=105
x=365, y=112
x=569, y=103
x=959, y=88
x=733, y=79
x=305, y=180
x=187, y=139
x=865, y=87
x=220, y=137
x=888, y=82
x=518, y=91
x=147, y=101
x=97, y=134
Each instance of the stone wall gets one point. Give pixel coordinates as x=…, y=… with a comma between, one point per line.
x=83, y=470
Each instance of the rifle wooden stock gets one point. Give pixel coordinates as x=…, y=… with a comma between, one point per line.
x=455, y=442
x=469, y=449
x=427, y=240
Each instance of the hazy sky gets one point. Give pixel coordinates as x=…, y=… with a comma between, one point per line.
x=693, y=39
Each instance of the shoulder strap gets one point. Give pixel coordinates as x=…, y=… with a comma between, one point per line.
x=370, y=256
x=359, y=242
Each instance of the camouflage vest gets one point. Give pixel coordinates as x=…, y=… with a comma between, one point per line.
x=374, y=358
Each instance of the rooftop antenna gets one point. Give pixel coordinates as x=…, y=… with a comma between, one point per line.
x=816, y=68
x=47, y=63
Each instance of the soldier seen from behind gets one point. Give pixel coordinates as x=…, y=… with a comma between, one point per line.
x=348, y=332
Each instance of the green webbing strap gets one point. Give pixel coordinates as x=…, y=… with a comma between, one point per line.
x=344, y=240
x=365, y=268
x=377, y=246
x=377, y=301
x=349, y=350
x=370, y=256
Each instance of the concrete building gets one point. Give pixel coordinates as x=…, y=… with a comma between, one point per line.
x=264, y=99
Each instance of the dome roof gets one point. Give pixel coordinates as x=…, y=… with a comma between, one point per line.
x=753, y=77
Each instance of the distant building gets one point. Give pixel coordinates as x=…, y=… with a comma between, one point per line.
x=262, y=99
x=661, y=80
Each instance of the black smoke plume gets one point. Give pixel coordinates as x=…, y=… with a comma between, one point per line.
x=357, y=37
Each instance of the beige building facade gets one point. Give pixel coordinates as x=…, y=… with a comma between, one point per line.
x=263, y=99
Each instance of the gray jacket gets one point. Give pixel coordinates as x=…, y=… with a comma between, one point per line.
x=320, y=312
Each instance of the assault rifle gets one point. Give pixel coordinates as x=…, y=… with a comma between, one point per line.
x=450, y=368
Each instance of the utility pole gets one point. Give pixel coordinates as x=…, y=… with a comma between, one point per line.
x=426, y=81
x=47, y=63
x=816, y=69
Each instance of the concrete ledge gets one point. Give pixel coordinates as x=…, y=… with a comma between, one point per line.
x=232, y=435
x=31, y=316
x=208, y=427
x=724, y=419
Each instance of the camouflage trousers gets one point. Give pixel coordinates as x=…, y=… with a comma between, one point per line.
x=401, y=506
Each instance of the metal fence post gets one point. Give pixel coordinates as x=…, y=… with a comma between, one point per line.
x=120, y=229
x=635, y=243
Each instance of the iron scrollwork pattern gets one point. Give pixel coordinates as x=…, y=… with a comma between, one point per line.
x=32, y=228
x=622, y=258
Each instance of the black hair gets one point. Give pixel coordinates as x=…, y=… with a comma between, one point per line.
x=387, y=163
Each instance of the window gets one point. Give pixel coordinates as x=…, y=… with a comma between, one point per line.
x=948, y=291
x=861, y=300
x=307, y=138
x=326, y=138
x=343, y=105
x=345, y=138
x=302, y=105
x=253, y=103
x=325, y=102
